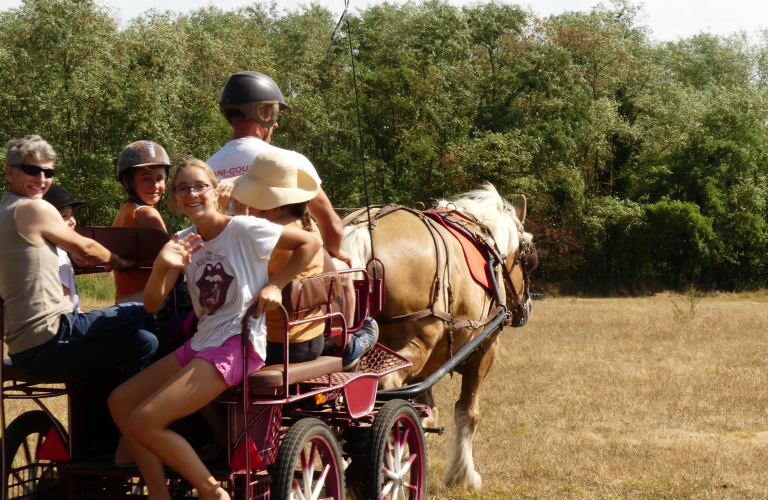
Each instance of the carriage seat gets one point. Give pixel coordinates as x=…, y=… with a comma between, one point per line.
x=11, y=373
x=271, y=377
x=299, y=296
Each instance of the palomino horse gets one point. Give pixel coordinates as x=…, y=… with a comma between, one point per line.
x=417, y=279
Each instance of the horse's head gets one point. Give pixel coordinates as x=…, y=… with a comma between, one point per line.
x=505, y=223
x=521, y=260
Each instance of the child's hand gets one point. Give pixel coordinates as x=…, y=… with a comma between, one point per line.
x=177, y=253
x=269, y=298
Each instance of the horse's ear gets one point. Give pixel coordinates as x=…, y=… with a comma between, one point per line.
x=520, y=208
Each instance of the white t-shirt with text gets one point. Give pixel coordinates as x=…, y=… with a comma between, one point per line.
x=234, y=159
x=225, y=275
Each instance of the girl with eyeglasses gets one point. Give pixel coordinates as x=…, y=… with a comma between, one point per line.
x=225, y=260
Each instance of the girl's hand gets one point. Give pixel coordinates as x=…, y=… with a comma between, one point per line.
x=226, y=200
x=269, y=298
x=177, y=253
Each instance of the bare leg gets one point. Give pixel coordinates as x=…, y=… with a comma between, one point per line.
x=133, y=406
x=188, y=390
x=125, y=399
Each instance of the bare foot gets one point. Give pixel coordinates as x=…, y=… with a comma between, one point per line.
x=123, y=454
x=219, y=494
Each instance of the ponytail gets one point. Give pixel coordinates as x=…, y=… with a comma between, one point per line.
x=301, y=211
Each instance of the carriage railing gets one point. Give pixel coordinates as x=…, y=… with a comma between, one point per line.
x=329, y=316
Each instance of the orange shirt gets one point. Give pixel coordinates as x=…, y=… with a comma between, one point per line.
x=274, y=319
x=130, y=282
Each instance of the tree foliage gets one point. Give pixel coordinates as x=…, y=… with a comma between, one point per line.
x=644, y=163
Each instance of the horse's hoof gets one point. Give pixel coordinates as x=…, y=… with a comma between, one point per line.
x=476, y=481
x=470, y=479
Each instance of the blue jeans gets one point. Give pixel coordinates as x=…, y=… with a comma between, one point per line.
x=121, y=335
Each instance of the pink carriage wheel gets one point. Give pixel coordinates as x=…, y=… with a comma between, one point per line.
x=396, y=455
x=308, y=464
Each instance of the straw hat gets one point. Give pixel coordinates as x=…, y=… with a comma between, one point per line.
x=273, y=181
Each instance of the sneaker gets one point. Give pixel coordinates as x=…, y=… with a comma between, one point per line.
x=362, y=341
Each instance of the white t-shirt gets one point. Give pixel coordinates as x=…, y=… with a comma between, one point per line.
x=224, y=276
x=67, y=277
x=234, y=159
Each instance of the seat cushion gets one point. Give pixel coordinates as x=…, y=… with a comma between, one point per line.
x=272, y=376
x=10, y=372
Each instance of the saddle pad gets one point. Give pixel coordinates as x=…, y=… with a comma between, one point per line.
x=476, y=261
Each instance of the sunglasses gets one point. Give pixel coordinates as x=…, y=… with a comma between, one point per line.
x=34, y=170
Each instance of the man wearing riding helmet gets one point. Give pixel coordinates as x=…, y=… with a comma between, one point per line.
x=142, y=169
x=250, y=101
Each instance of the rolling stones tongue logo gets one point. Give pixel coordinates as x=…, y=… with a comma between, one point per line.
x=213, y=286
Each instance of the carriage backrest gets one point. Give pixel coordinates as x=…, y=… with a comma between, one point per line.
x=305, y=294
x=133, y=243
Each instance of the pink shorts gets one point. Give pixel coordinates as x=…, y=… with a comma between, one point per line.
x=227, y=358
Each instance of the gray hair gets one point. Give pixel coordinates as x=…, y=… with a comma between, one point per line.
x=29, y=145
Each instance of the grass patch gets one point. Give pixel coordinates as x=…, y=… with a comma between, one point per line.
x=620, y=399
x=99, y=286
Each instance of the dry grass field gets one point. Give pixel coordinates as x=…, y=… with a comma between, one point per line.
x=621, y=398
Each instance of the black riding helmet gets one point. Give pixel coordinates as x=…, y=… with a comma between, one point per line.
x=247, y=91
x=140, y=154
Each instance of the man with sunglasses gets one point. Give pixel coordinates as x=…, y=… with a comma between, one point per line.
x=43, y=332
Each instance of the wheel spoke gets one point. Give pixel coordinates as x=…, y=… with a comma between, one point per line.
x=313, y=455
x=401, y=493
x=398, y=449
x=408, y=465
x=320, y=482
x=307, y=470
x=387, y=487
x=388, y=455
x=404, y=440
x=390, y=474
x=394, y=492
x=297, y=493
x=27, y=452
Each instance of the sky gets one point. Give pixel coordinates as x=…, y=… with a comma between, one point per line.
x=668, y=19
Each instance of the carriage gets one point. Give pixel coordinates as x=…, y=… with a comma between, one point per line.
x=304, y=430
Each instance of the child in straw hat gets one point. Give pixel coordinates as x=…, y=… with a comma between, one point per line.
x=275, y=189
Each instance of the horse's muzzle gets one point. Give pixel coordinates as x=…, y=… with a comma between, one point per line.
x=519, y=319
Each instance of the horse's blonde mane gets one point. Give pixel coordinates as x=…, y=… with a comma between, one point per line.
x=485, y=203
x=492, y=210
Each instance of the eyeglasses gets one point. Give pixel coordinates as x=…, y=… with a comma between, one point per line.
x=35, y=170
x=197, y=188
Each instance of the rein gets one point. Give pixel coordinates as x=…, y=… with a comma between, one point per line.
x=467, y=225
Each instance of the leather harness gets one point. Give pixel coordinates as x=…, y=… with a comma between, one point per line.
x=475, y=231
